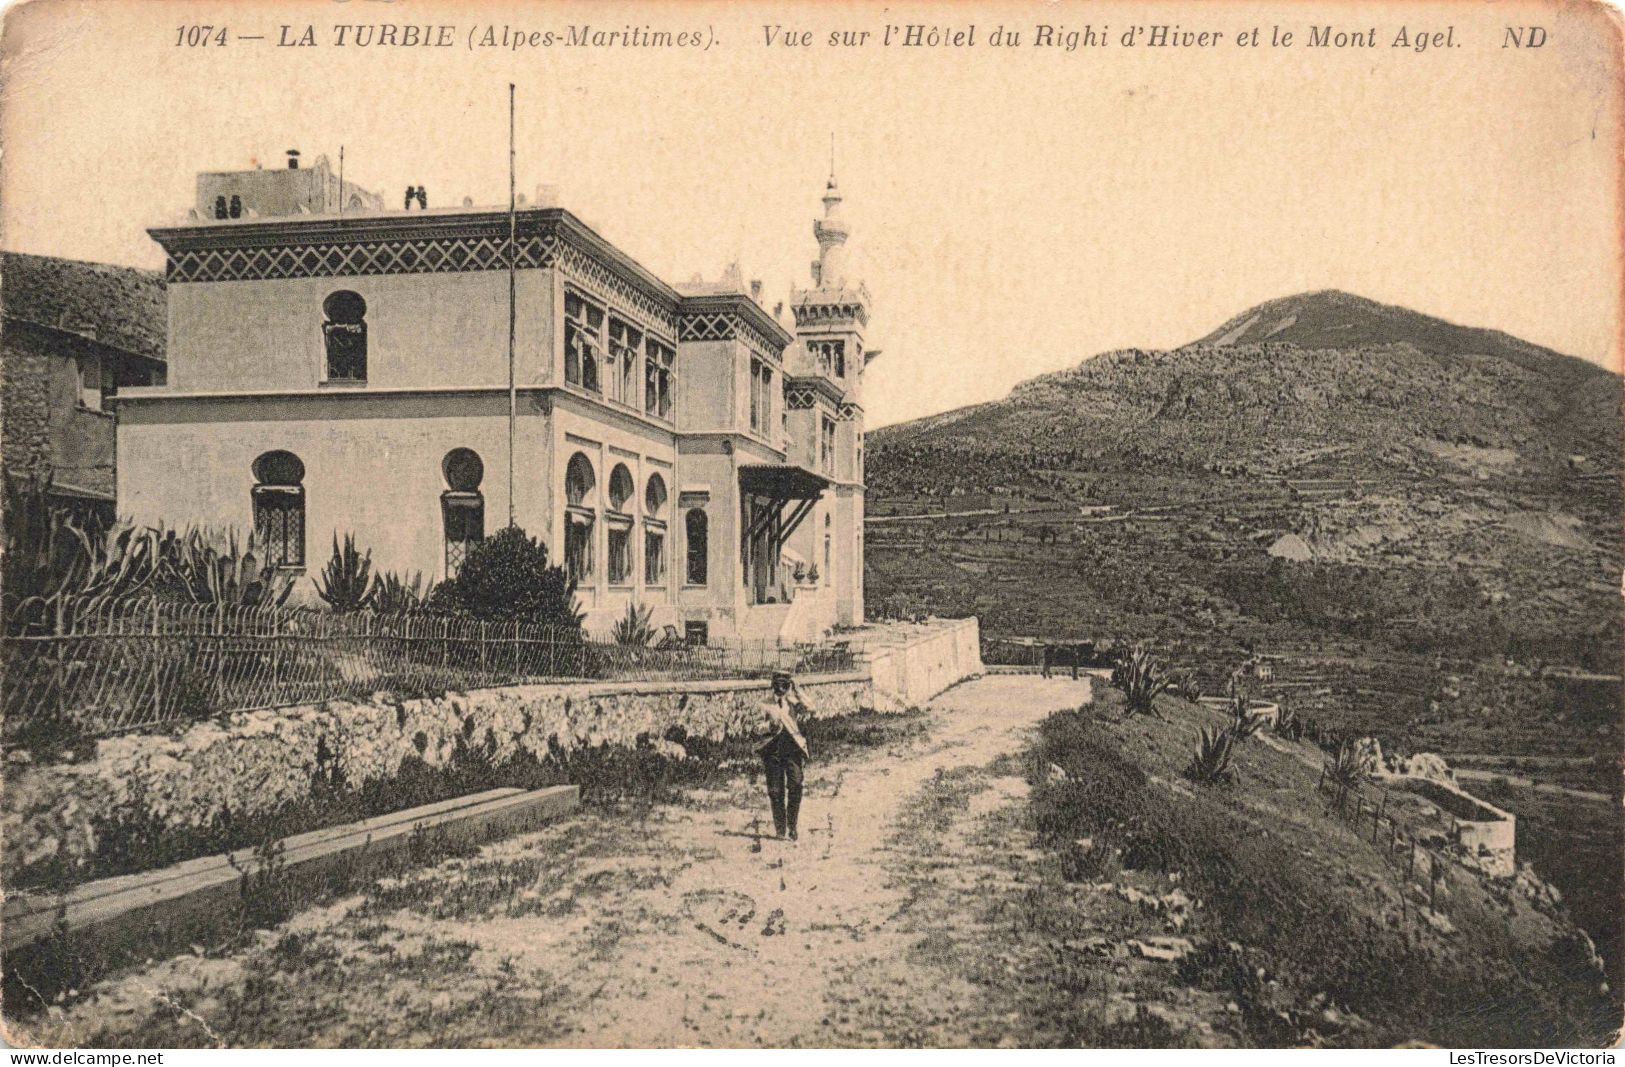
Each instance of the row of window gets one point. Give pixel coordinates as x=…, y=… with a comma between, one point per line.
x=614, y=370
x=279, y=517
x=637, y=370
x=830, y=357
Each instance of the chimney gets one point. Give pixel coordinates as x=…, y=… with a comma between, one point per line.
x=293, y=159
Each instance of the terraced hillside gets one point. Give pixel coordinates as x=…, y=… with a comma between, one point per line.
x=1416, y=524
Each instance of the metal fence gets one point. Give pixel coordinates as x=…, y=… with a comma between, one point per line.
x=135, y=665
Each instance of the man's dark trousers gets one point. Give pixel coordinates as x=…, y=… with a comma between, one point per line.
x=783, y=760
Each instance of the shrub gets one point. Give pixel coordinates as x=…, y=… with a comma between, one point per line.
x=507, y=576
x=633, y=628
x=346, y=582
x=1141, y=678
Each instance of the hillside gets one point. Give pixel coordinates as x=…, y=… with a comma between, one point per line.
x=1414, y=525
x=1315, y=371
x=1319, y=428
x=1322, y=477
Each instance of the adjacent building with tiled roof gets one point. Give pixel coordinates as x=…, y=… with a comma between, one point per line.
x=72, y=334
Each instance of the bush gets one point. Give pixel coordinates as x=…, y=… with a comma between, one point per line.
x=507, y=576
x=346, y=582
x=1319, y=935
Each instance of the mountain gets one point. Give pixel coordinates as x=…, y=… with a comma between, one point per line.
x=1333, y=319
x=1414, y=525
x=1456, y=489
x=1308, y=372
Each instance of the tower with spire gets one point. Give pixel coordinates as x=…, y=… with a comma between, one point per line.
x=826, y=398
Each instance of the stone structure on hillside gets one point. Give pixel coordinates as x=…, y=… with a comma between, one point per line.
x=342, y=368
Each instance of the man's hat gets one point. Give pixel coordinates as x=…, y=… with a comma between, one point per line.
x=781, y=676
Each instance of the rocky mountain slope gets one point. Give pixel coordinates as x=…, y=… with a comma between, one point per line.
x=1461, y=477
x=1278, y=383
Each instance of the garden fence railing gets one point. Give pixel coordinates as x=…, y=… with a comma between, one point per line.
x=130, y=665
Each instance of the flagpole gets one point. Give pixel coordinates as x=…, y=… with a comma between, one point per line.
x=341, y=179
x=513, y=224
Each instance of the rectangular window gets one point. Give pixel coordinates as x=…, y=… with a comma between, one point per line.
x=826, y=446
x=624, y=345
x=578, y=548
x=761, y=396
x=463, y=516
x=583, y=342
x=279, y=524
x=654, y=557
x=658, y=368
x=697, y=528
x=620, y=555
x=91, y=386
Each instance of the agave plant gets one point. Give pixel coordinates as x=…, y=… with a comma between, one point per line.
x=393, y=594
x=56, y=565
x=204, y=567
x=1211, y=763
x=1141, y=678
x=346, y=581
x=1347, y=768
x=1244, y=722
x=633, y=628
x=1288, y=725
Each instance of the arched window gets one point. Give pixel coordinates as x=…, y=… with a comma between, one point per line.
x=462, y=505
x=279, y=508
x=345, y=333
x=654, y=531
x=220, y=207
x=619, y=524
x=236, y=207
x=580, y=517
x=696, y=528
x=827, y=544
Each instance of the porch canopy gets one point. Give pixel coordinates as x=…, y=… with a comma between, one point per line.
x=779, y=484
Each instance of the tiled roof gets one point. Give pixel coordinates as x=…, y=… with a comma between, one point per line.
x=126, y=305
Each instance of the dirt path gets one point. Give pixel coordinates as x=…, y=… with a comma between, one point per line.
x=679, y=929
x=775, y=937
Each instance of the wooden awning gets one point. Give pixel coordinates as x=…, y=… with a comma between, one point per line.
x=781, y=481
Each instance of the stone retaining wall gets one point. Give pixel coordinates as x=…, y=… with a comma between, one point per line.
x=253, y=764
x=909, y=663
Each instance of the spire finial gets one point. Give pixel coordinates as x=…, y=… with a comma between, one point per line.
x=832, y=156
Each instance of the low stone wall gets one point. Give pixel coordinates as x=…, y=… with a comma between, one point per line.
x=1483, y=831
x=909, y=663
x=253, y=764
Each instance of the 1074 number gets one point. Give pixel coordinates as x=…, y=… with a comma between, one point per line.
x=199, y=36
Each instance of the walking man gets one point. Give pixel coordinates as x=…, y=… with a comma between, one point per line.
x=784, y=752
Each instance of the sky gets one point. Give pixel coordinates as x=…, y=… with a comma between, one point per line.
x=1013, y=211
